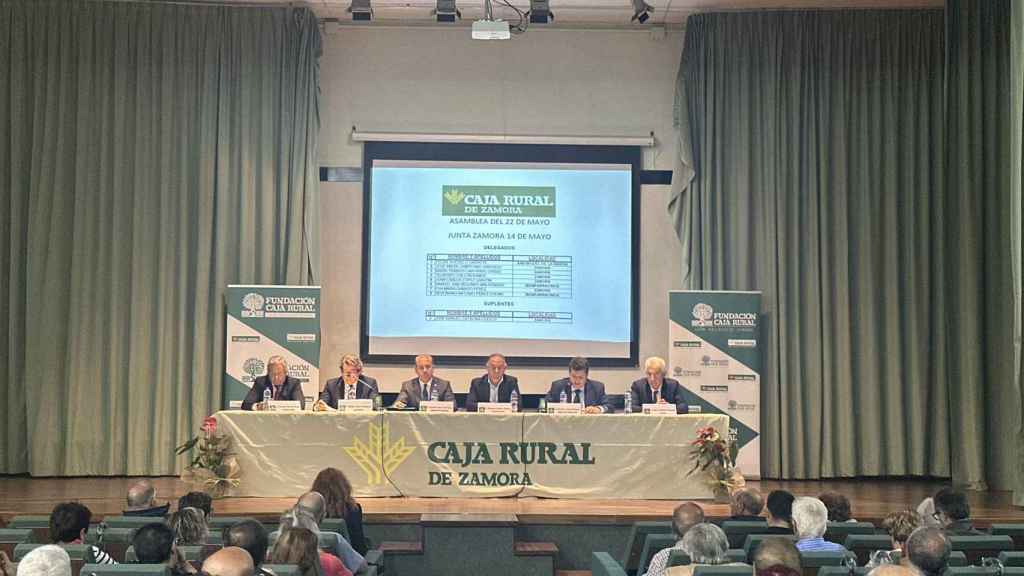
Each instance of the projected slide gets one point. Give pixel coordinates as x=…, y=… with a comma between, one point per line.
x=527, y=259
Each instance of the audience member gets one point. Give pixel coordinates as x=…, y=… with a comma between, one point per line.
x=299, y=546
x=7, y=568
x=928, y=550
x=780, y=512
x=142, y=501
x=301, y=516
x=838, y=506
x=685, y=516
x=189, y=525
x=199, y=500
x=893, y=570
x=69, y=523
x=49, y=560
x=154, y=544
x=777, y=557
x=746, y=504
x=337, y=493
x=705, y=544
x=926, y=510
x=250, y=536
x=953, y=513
x=810, y=518
x=229, y=561
x=899, y=526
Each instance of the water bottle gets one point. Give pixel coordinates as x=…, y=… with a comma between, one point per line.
x=377, y=406
x=563, y=397
x=514, y=400
x=266, y=398
x=627, y=402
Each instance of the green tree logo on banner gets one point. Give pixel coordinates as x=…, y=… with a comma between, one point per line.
x=378, y=456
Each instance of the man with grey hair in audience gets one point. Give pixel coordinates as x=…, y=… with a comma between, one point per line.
x=746, y=505
x=705, y=544
x=928, y=550
x=810, y=519
x=684, y=517
x=308, y=513
x=142, y=501
x=49, y=560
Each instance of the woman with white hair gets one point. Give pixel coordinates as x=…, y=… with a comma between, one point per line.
x=706, y=545
x=810, y=519
x=49, y=560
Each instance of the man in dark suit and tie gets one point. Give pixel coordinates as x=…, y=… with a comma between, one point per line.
x=495, y=386
x=656, y=389
x=352, y=385
x=282, y=386
x=424, y=386
x=580, y=389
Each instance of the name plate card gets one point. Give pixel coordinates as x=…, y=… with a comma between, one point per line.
x=659, y=409
x=564, y=408
x=285, y=406
x=437, y=406
x=361, y=405
x=494, y=408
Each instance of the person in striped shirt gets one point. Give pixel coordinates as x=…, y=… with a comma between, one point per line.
x=69, y=523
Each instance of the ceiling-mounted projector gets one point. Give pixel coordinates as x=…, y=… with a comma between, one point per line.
x=491, y=30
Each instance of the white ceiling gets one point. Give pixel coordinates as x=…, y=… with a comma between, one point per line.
x=577, y=13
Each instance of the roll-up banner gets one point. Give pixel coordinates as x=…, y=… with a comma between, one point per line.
x=715, y=353
x=265, y=321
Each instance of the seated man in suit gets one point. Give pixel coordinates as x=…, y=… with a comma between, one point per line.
x=424, y=386
x=656, y=389
x=352, y=385
x=495, y=386
x=580, y=389
x=282, y=386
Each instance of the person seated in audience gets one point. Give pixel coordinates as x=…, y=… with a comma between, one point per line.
x=281, y=385
x=250, y=536
x=229, y=561
x=953, y=513
x=199, y=500
x=339, y=503
x=49, y=560
x=580, y=389
x=655, y=388
x=684, y=517
x=190, y=528
x=926, y=510
x=494, y=386
x=154, y=544
x=810, y=518
x=780, y=512
x=424, y=385
x=777, y=557
x=308, y=513
x=893, y=570
x=351, y=385
x=142, y=501
x=298, y=546
x=706, y=545
x=746, y=505
x=7, y=568
x=69, y=523
x=928, y=550
x=899, y=526
x=838, y=506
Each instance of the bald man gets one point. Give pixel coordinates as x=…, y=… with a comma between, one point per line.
x=230, y=561
x=142, y=501
x=685, y=516
x=424, y=385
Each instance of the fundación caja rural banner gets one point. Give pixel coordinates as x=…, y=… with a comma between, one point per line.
x=265, y=321
x=715, y=354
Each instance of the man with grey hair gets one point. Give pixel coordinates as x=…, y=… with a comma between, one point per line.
x=307, y=513
x=655, y=388
x=810, y=518
x=746, y=505
x=684, y=517
x=49, y=560
x=281, y=385
x=928, y=550
x=142, y=501
x=705, y=544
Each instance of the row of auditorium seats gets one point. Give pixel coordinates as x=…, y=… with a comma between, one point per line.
x=602, y=564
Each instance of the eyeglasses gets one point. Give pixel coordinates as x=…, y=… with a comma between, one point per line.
x=937, y=516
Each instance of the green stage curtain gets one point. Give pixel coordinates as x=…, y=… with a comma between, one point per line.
x=812, y=158
x=150, y=154
x=1016, y=209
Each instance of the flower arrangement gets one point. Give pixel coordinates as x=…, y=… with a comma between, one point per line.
x=213, y=467
x=715, y=457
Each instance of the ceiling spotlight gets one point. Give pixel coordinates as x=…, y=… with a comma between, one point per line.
x=641, y=11
x=540, y=12
x=446, y=11
x=361, y=10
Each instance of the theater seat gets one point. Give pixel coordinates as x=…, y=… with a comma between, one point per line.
x=738, y=530
x=810, y=562
x=602, y=564
x=75, y=551
x=218, y=523
x=115, y=541
x=1012, y=558
x=839, y=531
x=864, y=545
x=1014, y=531
x=11, y=537
x=679, y=558
x=978, y=547
x=653, y=544
x=132, y=522
x=125, y=570
x=723, y=570
x=841, y=571
x=336, y=525
x=983, y=571
x=193, y=554
x=637, y=534
x=39, y=525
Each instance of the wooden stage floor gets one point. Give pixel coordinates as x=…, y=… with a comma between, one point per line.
x=871, y=500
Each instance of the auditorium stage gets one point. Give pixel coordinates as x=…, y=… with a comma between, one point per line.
x=871, y=500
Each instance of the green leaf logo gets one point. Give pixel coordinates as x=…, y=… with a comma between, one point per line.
x=454, y=196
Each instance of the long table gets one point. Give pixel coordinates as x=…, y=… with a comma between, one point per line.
x=470, y=455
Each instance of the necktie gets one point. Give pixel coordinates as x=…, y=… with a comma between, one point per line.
x=350, y=392
x=426, y=393
x=277, y=392
x=655, y=396
x=577, y=396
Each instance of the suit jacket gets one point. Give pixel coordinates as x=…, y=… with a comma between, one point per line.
x=480, y=391
x=410, y=394
x=671, y=391
x=593, y=393
x=366, y=389
x=290, y=390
